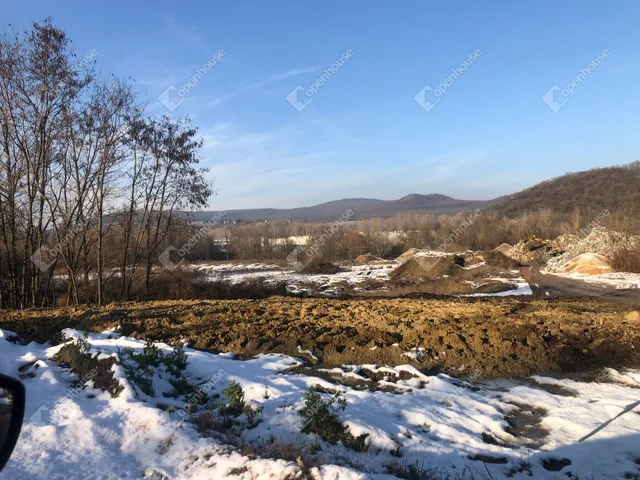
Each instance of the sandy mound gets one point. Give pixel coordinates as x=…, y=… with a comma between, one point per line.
x=425, y=267
x=367, y=258
x=587, y=264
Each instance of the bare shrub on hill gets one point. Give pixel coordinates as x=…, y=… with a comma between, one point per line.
x=627, y=259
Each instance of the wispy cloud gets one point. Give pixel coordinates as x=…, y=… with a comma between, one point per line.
x=267, y=81
x=286, y=167
x=185, y=35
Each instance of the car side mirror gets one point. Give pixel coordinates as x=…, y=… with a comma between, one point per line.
x=12, y=401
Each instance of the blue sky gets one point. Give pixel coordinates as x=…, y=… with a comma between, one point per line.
x=363, y=134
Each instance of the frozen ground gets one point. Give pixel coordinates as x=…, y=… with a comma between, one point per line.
x=531, y=427
x=297, y=282
x=330, y=284
x=522, y=286
x=618, y=280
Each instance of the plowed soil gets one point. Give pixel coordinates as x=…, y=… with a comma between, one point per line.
x=471, y=336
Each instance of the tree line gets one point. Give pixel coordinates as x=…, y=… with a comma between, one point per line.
x=388, y=237
x=90, y=185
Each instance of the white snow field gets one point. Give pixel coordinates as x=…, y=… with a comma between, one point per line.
x=442, y=424
x=296, y=282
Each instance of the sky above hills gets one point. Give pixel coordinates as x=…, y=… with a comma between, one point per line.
x=305, y=102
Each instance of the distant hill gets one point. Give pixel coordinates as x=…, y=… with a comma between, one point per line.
x=611, y=188
x=362, y=208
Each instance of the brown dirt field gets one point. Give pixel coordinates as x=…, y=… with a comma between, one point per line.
x=489, y=336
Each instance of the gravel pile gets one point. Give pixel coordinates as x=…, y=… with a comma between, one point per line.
x=599, y=241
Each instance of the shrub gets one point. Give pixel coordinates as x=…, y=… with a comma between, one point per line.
x=304, y=455
x=181, y=385
x=627, y=259
x=151, y=355
x=236, y=405
x=321, y=418
x=177, y=359
x=235, y=398
x=141, y=371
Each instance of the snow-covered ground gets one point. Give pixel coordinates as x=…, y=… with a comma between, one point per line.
x=329, y=284
x=522, y=286
x=436, y=421
x=296, y=282
x=618, y=280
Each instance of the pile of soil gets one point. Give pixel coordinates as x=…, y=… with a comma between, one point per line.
x=367, y=258
x=586, y=264
x=100, y=372
x=407, y=255
x=533, y=251
x=565, y=241
x=425, y=267
x=492, y=337
x=318, y=265
x=496, y=258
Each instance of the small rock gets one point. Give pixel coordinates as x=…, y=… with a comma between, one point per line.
x=632, y=317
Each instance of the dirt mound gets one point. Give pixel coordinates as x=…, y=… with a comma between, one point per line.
x=599, y=242
x=367, y=258
x=320, y=266
x=495, y=258
x=407, y=255
x=534, y=251
x=100, y=372
x=487, y=336
x=587, y=264
x=565, y=241
x=504, y=248
x=427, y=267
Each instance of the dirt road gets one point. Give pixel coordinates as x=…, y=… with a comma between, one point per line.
x=555, y=285
x=489, y=336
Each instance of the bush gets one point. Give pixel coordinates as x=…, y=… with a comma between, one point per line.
x=178, y=358
x=627, y=259
x=235, y=398
x=139, y=367
x=236, y=405
x=321, y=418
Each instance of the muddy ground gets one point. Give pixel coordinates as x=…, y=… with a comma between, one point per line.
x=461, y=336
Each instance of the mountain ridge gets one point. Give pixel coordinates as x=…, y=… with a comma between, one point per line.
x=614, y=189
x=362, y=208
